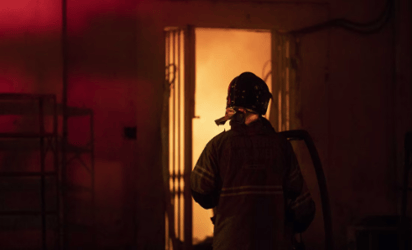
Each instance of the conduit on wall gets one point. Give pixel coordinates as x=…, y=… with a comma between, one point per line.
x=64, y=141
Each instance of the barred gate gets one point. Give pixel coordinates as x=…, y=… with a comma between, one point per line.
x=178, y=113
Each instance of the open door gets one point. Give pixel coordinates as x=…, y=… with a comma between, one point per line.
x=286, y=118
x=178, y=112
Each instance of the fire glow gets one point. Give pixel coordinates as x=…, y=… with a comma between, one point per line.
x=221, y=55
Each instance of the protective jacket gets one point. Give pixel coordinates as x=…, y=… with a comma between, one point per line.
x=250, y=176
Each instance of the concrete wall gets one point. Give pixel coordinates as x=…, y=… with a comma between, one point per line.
x=356, y=97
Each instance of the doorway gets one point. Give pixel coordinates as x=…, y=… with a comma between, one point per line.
x=221, y=55
x=200, y=63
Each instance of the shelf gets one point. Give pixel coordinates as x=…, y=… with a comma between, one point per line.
x=32, y=108
x=76, y=149
x=25, y=145
x=79, y=227
x=19, y=213
x=20, y=96
x=26, y=135
x=74, y=111
x=26, y=174
x=78, y=188
x=42, y=110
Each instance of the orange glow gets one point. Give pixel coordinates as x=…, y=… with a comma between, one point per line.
x=221, y=55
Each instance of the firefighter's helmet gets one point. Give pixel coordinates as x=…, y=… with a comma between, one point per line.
x=248, y=91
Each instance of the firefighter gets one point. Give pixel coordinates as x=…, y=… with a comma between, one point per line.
x=249, y=175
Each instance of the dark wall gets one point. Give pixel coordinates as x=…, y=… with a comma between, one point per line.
x=101, y=63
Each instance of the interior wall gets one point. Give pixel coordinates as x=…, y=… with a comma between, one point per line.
x=102, y=76
x=352, y=107
x=362, y=148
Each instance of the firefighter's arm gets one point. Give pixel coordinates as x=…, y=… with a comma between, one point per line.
x=206, y=200
x=204, y=179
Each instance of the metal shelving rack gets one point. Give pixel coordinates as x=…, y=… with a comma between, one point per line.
x=22, y=104
x=64, y=212
x=76, y=153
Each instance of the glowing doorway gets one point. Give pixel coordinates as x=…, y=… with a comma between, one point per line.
x=221, y=55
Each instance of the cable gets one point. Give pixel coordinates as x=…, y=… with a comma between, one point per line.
x=265, y=76
x=370, y=27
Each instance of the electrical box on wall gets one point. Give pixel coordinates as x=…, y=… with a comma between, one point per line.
x=130, y=133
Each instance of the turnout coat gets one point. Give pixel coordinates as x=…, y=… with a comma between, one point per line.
x=251, y=177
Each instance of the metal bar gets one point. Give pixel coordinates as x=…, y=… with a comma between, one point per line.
x=63, y=235
x=77, y=156
x=288, y=77
x=279, y=82
x=177, y=193
x=172, y=46
x=189, y=95
x=406, y=173
x=167, y=42
x=28, y=213
x=92, y=162
x=169, y=203
x=49, y=143
x=42, y=177
x=404, y=223
x=175, y=129
x=15, y=96
x=296, y=97
x=27, y=174
x=79, y=159
x=166, y=147
x=181, y=176
x=78, y=150
x=274, y=116
x=78, y=188
x=283, y=83
x=25, y=135
x=286, y=84
x=178, y=86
